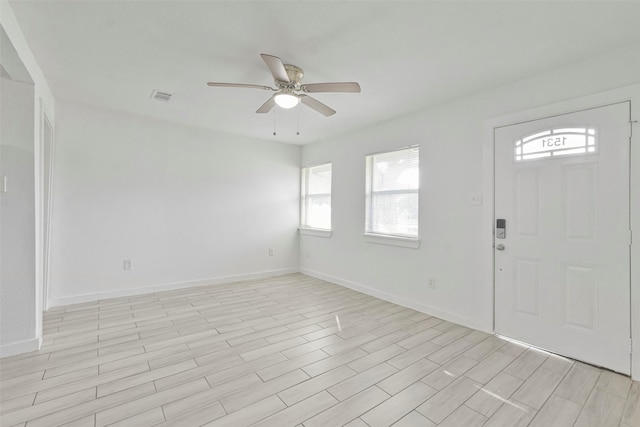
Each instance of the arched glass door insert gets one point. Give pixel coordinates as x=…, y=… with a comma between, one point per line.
x=556, y=142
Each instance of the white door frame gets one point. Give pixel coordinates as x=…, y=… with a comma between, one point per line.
x=629, y=93
x=47, y=200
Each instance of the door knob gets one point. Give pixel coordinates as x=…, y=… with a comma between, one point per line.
x=500, y=247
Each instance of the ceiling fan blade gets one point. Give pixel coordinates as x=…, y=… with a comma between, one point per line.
x=277, y=67
x=331, y=87
x=267, y=106
x=239, y=85
x=316, y=105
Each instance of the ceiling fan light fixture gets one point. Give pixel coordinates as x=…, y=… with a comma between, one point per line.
x=287, y=79
x=286, y=100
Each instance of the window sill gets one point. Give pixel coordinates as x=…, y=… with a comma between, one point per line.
x=404, y=242
x=317, y=232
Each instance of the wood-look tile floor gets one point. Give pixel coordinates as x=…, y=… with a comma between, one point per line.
x=293, y=351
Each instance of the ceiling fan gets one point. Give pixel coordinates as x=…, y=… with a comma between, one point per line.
x=289, y=90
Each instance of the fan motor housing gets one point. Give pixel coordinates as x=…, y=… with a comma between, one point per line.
x=294, y=73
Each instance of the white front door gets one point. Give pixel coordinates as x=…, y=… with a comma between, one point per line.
x=562, y=280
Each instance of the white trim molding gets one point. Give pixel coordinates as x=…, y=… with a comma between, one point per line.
x=20, y=347
x=317, y=232
x=408, y=303
x=381, y=239
x=77, y=299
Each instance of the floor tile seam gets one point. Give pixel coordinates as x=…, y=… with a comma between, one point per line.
x=45, y=368
x=593, y=387
x=557, y=385
x=91, y=325
x=253, y=403
x=4, y=370
x=469, y=407
x=548, y=397
x=153, y=395
x=55, y=366
x=498, y=373
x=54, y=411
x=32, y=402
x=199, y=334
x=425, y=415
x=629, y=403
x=603, y=370
x=120, y=337
x=307, y=398
x=48, y=387
x=146, y=357
x=95, y=385
x=494, y=350
x=611, y=394
x=280, y=333
x=206, y=374
x=273, y=380
x=99, y=345
x=386, y=360
x=69, y=333
x=446, y=343
x=193, y=409
x=511, y=403
x=305, y=354
x=73, y=420
x=390, y=396
x=339, y=402
x=340, y=382
x=149, y=371
x=476, y=384
x=418, y=380
x=171, y=342
x=481, y=387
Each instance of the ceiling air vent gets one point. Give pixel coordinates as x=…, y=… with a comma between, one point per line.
x=156, y=95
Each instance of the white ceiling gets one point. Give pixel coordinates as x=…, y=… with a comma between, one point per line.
x=405, y=55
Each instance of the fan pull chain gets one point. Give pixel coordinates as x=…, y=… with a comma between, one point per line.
x=274, y=122
x=298, y=129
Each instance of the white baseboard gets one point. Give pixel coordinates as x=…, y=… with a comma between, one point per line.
x=77, y=299
x=432, y=311
x=20, y=347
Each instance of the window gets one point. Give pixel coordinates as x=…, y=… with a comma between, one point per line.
x=556, y=142
x=392, y=193
x=315, y=199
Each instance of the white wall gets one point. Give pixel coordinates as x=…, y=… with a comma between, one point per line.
x=454, y=247
x=17, y=213
x=188, y=206
x=30, y=303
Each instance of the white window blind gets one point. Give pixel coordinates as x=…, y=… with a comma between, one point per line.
x=316, y=197
x=392, y=187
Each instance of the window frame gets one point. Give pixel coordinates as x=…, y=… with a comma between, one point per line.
x=373, y=236
x=304, y=227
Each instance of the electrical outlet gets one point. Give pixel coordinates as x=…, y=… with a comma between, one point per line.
x=432, y=283
x=127, y=264
x=270, y=252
